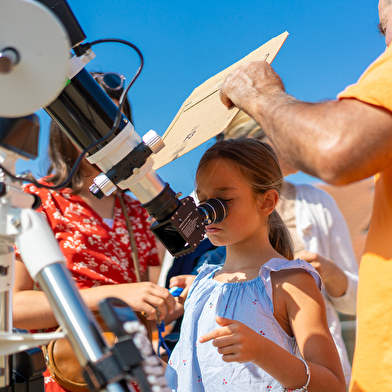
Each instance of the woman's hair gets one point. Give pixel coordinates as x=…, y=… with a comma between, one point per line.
x=63, y=154
x=259, y=167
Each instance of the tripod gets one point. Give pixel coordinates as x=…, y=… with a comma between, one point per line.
x=105, y=368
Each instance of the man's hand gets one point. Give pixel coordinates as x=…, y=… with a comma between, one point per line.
x=249, y=85
x=235, y=341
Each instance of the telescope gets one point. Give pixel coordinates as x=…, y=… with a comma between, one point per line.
x=95, y=125
x=42, y=65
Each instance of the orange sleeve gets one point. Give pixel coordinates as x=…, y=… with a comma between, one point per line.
x=375, y=85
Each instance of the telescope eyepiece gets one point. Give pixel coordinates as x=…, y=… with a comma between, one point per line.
x=213, y=210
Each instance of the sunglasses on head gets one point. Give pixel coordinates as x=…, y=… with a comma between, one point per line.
x=110, y=81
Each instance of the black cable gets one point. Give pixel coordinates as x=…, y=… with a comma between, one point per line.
x=84, y=47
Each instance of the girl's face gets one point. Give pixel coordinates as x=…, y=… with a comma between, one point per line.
x=247, y=219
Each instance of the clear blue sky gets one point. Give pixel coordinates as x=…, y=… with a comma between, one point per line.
x=184, y=43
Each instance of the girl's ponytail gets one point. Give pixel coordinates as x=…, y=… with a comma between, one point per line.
x=279, y=236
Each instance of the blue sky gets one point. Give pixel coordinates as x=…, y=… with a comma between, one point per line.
x=184, y=43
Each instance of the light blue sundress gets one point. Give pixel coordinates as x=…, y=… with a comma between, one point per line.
x=195, y=366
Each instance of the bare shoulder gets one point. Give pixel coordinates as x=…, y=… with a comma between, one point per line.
x=295, y=277
x=295, y=292
x=295, y=284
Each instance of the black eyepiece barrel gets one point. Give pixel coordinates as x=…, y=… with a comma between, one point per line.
x=213, y=210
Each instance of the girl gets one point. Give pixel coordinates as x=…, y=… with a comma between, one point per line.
x=258, y=322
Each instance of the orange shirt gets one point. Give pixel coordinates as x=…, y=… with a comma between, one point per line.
x=372, y=367
x=374, y=86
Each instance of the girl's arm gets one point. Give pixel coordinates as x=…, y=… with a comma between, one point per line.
x=32, y=310
x=299, y=309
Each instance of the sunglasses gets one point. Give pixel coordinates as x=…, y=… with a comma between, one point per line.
x=110, y=81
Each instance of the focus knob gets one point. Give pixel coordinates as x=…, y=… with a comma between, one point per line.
x=153, y=141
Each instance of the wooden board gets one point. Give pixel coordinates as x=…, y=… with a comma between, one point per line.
x=203, y=116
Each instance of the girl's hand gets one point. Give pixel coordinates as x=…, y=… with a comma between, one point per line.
x=235, y=341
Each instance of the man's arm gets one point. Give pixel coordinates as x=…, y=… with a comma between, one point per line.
x=337, y=141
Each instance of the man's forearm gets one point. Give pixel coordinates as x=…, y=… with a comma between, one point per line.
x=296, y=128
x=318, y=138
x=337, y=141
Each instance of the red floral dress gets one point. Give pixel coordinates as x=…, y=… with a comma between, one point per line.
x=95, y=253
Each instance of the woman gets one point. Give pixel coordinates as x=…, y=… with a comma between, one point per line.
x=93, y=236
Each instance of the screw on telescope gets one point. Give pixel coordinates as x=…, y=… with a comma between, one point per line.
x=9, y=58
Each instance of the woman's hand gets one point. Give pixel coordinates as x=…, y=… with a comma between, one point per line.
x=145, y=297
x=334, y=279
x=235, y=341
x=32, y=310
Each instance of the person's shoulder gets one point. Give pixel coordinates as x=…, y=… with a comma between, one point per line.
x=45, y=191
x=128, y=198
x=292, y=276
x=131, y=201
x=296, y=291
x=314, y=194
x=296, y=282
x=310, y=189
x=30, y=188
x=35, y=188
x=290, y=271
x=134, y=207
x=207, y=270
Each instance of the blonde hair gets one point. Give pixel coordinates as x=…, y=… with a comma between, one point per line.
x=259, y=167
